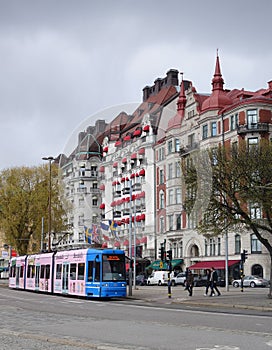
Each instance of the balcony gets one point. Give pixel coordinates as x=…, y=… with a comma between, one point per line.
x=253, y=127
x=185, y=150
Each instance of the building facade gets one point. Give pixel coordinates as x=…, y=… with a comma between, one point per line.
x=124, y=179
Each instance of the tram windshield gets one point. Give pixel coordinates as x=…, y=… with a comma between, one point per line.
x=113, y=267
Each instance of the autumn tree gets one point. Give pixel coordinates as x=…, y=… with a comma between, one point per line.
x=238, y=182
x=24, y=193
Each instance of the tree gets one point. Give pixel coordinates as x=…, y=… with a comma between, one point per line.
x=240, y=194
x=24, y=202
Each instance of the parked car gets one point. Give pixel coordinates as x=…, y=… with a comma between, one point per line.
x=251, y=281
x=158, y=278
x=201, y=281
x=141, y=280
x=179, y=279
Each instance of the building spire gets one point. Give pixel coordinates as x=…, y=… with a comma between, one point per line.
x=217, y=81
x=182, y=98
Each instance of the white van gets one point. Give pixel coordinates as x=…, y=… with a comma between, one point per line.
x=158, y=277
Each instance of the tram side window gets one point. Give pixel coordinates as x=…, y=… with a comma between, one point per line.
x=30, y=271
x=81, y=271
x=58, y=271
x=21, y=271
x=90, y=271
x=47, y=271
x=12, y=271
x=72, y=271
x=42, y=271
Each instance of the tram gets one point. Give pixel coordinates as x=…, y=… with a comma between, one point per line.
x=97, y=273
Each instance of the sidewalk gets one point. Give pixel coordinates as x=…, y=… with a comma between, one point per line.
x=250, y=298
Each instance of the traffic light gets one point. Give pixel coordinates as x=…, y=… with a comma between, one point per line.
x=169, y=254
x=161, y=253
x=244, y=256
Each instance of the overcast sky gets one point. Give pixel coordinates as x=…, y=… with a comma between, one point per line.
x=64, y=61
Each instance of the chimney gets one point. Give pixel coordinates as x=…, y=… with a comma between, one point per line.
x=172, y=77
x=146, y=93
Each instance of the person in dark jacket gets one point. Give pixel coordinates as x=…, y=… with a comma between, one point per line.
x=190, y=283
x=208, y=284
x=214, y=280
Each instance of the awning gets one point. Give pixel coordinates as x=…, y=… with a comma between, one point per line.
x=146, y=128
x=156, y=264
x=217, y=264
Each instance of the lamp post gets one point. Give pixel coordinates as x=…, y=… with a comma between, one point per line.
x=49, y=159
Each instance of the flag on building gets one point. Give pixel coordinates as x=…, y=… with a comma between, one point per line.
x=113, y=228
x=88, y=234
x=104, y=227
x=95, y=234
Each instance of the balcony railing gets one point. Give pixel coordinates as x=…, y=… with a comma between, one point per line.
x=253, y=127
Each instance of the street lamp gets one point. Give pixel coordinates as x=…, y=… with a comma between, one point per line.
x=49, y=159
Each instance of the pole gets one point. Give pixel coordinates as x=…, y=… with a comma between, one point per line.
x=130, y=240
x=227, y=262
x=49, y=159
x=42, y=235
x=134, y=243
x=49, y=206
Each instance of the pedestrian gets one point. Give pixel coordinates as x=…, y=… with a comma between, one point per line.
x=186, y=278
x=208, y=283
x=190, y=283
x=214, y=280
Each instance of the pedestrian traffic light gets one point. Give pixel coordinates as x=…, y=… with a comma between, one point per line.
x=169, y=254
x=162, y=253
x=244, y=256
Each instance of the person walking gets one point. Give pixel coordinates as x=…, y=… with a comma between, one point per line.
x=214, y=280
x=208, y=284
x=190, y=283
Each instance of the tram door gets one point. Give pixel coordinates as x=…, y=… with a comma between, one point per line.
x=65, y=274
x=37, y=277
x=18, y=269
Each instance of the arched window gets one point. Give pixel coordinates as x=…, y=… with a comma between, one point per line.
x=237, y=244
x=257, y=270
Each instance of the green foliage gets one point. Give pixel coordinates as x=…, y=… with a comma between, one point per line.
x=24, y=202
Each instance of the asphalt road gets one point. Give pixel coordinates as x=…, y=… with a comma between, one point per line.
x=36, y=321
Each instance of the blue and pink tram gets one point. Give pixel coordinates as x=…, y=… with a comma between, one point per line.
x=98, y=273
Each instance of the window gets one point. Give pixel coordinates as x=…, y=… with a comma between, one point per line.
x=252, y=119
x=171, y=222
x=177, y=145
x=94, y=201
x=161, y=174
x=212, y=246
x=178, y=195
x=178, y=222
x=162, y=224
x=218, y=246
x=171, y=197
x=170, y=171
x=252, y=142
x=72, y=271
x=81, y=271
x=161, y=154
x=206, y=247
x=205, y=131
x=161, y=200
x=255, y=211
x=178, y=169
x=214, y=129
x=233, y=121
x=256, y=246
x=191, y=140
x=237, y=244
x=58, y=271
x=170, y=146
x=81, y=202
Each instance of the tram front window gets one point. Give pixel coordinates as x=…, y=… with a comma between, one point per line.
x=113, y=267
